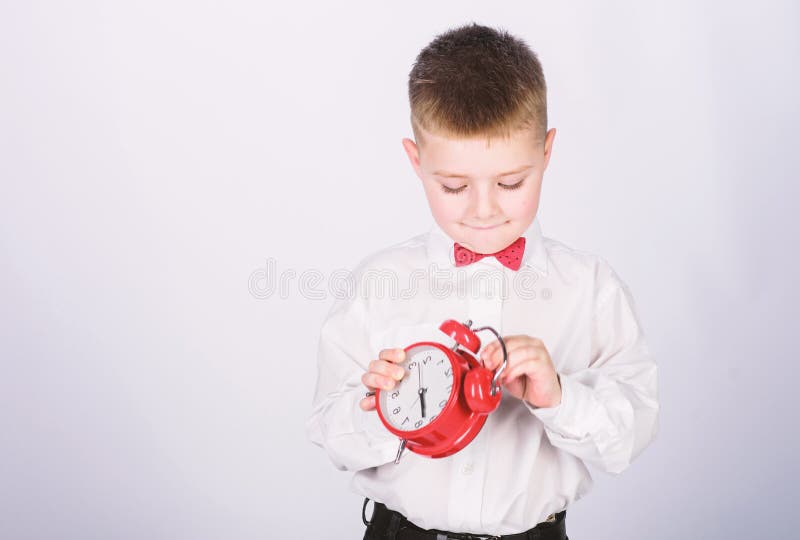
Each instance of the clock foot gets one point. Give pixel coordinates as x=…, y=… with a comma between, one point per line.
x=400, y=451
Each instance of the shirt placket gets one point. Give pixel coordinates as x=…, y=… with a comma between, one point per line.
x=469, y=465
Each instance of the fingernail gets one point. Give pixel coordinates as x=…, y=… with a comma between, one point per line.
x=399, y=374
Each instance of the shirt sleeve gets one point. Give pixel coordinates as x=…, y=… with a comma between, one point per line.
x=609, y=411
x=354, y=439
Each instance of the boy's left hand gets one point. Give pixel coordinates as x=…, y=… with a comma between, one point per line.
x=530, y=374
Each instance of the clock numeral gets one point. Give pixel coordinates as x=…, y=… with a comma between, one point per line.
x=449, y=387
x=397, y=410
x=419, y=423
x=395, y=394
x=412, y=365
x=404, y=421
x=440, y=362
x=432, y=417
x=448, y=372
x=442, y=403
x=427, y=359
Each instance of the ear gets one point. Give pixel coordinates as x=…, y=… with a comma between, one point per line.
x=412, y=151
x=548, y=145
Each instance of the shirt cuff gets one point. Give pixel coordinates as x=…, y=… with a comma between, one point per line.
x=577, y=408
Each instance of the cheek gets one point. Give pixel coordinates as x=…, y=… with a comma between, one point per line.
x=444, y=206
x=525, y=205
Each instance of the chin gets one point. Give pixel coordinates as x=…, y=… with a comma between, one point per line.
x=486, y=240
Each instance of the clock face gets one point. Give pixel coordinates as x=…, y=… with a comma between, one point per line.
x=418, y=399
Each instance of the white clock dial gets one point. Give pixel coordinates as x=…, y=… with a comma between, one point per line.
x=418, y=399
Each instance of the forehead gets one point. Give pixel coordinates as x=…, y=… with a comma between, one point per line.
x=479, y=156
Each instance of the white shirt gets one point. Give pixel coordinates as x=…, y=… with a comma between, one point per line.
x=526, y=462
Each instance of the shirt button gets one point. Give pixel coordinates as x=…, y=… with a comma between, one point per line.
x=467, y=468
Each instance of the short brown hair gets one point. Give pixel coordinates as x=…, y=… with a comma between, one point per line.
x=477, y=81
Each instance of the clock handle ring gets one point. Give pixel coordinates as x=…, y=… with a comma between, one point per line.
x=495, y=386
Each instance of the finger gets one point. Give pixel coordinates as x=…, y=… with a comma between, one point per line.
x=376, y=380
x=395, y=355
x=489, y=352
x=494, y=352
x=521, y=355
x=367, y=403
x=389, y=369
x=494, y=357
x=529, y=367
x=514, y=385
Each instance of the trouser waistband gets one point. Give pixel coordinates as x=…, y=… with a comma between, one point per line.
x=391, y=525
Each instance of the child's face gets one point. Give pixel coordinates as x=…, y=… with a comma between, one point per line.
x=484, y=215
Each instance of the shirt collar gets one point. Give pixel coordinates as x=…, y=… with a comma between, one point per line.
x=439, y=246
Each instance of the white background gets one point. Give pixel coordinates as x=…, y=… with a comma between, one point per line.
x=154, y=155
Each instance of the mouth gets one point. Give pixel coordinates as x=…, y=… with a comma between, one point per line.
x=487, y=228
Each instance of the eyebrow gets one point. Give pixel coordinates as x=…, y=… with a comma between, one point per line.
x=456, y=175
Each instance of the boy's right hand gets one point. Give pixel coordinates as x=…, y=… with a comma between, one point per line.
x=382, y=373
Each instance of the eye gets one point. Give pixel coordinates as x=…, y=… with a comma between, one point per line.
x=451, y=190
x=512, y=186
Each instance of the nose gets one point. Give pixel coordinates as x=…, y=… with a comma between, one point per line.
x=483, y=204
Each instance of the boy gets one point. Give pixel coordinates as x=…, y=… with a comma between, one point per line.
x=580, y=386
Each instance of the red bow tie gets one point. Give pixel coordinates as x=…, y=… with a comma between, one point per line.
x=511, y=256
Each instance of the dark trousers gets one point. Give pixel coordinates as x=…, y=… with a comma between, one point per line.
x=386, y=524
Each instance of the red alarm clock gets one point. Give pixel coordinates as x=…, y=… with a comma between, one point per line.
x=446, y=395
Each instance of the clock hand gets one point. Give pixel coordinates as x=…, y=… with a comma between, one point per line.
x=421, y=391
